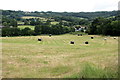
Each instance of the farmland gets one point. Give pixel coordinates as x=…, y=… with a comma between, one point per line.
x=82, y=45
x=55, y=57
x=24, y=26
x=29, y=17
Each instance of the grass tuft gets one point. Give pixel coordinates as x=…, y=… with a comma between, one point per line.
x=92, y=71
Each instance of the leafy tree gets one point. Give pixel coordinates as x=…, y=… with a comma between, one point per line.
x=15, y=31
x=104, y=26
x=13, y=23
x=5, y=24
x=6, y=31
x=31, y=32
x=45, y=29
x=116, y=27
x=25, y=31
x=26, y=22
x=37, y=30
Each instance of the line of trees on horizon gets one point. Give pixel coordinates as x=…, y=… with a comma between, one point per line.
x=104, y=26
x=38, y=30
x=99, y=26
x=99, y=23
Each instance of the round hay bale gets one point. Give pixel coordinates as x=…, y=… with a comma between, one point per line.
x=114, y=38
x=39, y=39
x=86, y=42
x=105, y=39
x=92, y=37
x=79, y=34
x=71, y=42
x=50, y=35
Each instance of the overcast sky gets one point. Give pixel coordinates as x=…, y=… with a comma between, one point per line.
x=60, y=5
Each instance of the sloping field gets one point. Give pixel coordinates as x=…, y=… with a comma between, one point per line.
x=55, y=57
x=24, y=26
x=29, y=17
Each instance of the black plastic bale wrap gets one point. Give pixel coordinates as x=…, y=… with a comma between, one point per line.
x=72, y=42
x=86, y=42
x=39, y=39
x=92, y=37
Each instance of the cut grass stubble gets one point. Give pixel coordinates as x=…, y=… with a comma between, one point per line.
x=55, y=57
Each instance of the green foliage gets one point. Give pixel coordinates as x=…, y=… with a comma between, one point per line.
x=6, y=31
x=105, y=27
x=27, y=31
x=116, y=27
x=63, y=22
x=9, y=22
x=10, y=31
x=37, y=30
x=44, y=29
x=59, y=29
x=54, y=29
x=26, y=22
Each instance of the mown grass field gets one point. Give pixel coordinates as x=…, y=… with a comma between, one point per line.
x=55, y=57
x=19, y=22
x=54, y=23
x=24, y=26
x=29, y=17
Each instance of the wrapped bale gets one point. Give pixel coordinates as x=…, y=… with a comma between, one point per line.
x=50, y=35
x=86, y=42
x=39, y=39
x=79, y=34
x=71, y=42
x=92, y=37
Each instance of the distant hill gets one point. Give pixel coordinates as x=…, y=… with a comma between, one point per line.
x=50, y=14
x=102, y=22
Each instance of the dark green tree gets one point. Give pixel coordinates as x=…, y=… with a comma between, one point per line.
x=25, y=31
x=37, y=30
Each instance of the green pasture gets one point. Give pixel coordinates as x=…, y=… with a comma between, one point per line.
x=55, y=57
x=24, y=26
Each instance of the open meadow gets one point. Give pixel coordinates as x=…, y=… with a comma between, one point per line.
x=55, y=57
x=24, y=26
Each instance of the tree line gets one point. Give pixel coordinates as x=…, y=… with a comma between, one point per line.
x=88, y=15
x=99, y=23
x=38, y=30
x=105, y=26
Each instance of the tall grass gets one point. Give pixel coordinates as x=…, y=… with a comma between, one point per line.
x=92, y=71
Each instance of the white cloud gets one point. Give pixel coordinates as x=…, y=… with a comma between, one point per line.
x=59, y=5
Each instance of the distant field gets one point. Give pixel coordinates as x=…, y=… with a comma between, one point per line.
x=19, y=22
x=54, y=23
x=24, y=26
x=29, y=17
x=55, y=57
